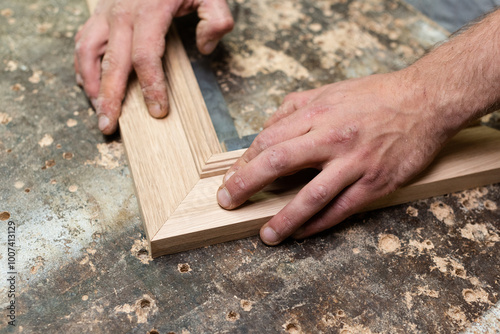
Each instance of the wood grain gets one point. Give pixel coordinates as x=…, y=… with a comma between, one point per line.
x=166, y=156
x=470, y=159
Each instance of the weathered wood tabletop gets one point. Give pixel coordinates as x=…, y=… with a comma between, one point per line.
x=81, y=263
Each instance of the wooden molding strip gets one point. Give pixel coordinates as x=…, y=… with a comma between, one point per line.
x=166, y=156
x=470, y=159
x=219, y=163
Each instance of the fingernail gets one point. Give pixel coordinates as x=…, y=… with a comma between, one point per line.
x=269, y=236
x=155, y=109
x=103, y=122
x=210, y=46
x=228, y=176
x=224, y=198
x=94, y=103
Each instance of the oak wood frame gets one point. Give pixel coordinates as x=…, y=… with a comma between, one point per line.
x=177, y=165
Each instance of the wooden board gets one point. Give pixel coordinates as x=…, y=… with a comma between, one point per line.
x=177, y=167
x=471, y=159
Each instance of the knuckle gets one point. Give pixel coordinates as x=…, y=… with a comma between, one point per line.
x=277, y=159
x=91, y=89
x=287, y=226
x=318, y=194
x=381, y=180
x=239, y=182
x=223, y=25
x=342, y=135
x=141, y=57
x=344, y=204
x=119, y=13
x=109, y=106
x=290, y=97
x=83, y=46
x=261, y=141
x=373, y=177
x=109, y=62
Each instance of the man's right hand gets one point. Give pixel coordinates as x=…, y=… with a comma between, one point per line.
x=126, y=34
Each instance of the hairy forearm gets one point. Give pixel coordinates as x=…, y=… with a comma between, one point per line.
x=459, y=81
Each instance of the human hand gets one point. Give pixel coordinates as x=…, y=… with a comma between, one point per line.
x=126, y=34
x=367, y=137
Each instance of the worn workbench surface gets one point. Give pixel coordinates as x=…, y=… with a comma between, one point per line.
x=428, y=266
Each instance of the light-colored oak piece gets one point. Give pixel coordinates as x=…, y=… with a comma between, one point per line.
x=177, y=166
x=470, y=159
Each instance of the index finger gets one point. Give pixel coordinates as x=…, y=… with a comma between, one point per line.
x=278, y=160
x=283, y=130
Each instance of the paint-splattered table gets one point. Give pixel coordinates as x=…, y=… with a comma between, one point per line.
x=80, y=262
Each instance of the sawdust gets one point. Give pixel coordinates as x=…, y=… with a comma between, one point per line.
x=246, y=305
x=265, y=60
x=355, y=329
x=6, y=12
x=85, y=261
x=476, y=296
x=470, y=199
x=328, y=320
x=479, y=233
x=49, y=163
x=143, y=308
x=388, y=243
x=11, y=66
x=18, y=88
x=408, y=300
x=47, y=140
x=316, y=27
x=5, y=118
x=71, y=123
x=449, y=266
x=277, y=15
x=139, y=250
x=490, y=205
x=232, y=316
x=35, y=77
x=474, y=281
x=111, y=155
x=443, y=213
x=39, y=263
x=347, y=38
x=457, y=315
x=42, y=28
x=421, y=246
x=411, y=211
x=184, y=268
x=292, y=327
x=421, y=291
x=424, y=290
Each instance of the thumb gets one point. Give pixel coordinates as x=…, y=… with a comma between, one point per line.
x=215, y=21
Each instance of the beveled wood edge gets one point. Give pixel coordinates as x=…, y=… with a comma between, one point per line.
x=219, y=163
x=425, y=185
x=195, y=120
